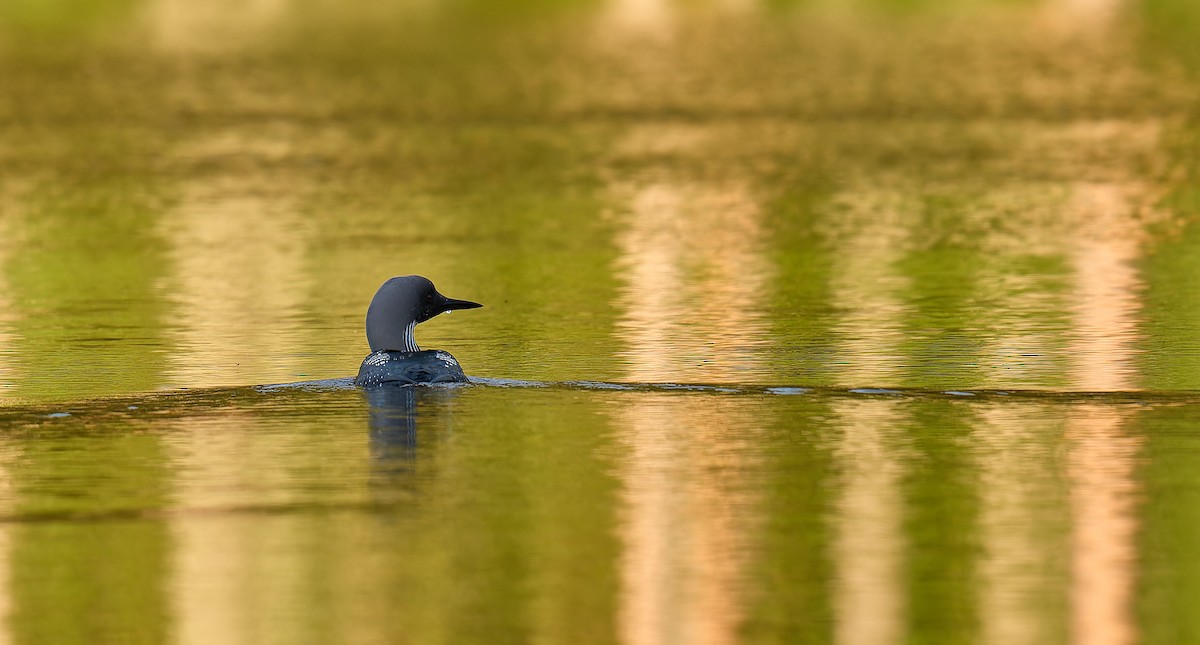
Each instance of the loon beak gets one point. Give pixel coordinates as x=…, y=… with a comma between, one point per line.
x=451, y=303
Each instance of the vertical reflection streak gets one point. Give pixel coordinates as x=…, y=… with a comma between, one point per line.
x=650, y=570
x=869, y=600
x=1106, y=292
x=1101, y=459
x=1018, y=505
x=221, y=593
x=238, y=260
x=687, y=519
x=696, y=279
x=8, y=371
x=10, y=452
x=209, y=605
x=865, y=285
x=1104, y=526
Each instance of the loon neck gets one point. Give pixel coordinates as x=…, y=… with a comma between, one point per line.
x=410, y=341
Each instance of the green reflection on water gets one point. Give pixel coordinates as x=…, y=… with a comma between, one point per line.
x=89, y=583
x=802, y=309
x=86, y=315
x=59, y=18
x=104, y=579
x=795, y=574
x=1171, y=582
x=1172, y=309
x=943, y=527
x=1170, y=29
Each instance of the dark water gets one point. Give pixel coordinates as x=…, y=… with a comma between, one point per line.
x=860, y=322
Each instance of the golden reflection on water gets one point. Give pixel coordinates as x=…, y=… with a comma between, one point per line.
x=1101, y=463
x=221, y=588
x=8, y=341
x=183, y=27
x=688, y=518
x=231, y=580
x=696, y=283
x=10, y=452
x=1101, y=459
x=1092, y=17
x=1101, y=473
x=237, y=284
x=1021, y=572
x=1107, y=290
x=243, y=577
x=872, y=236
x=869, y=545
x=622, y=21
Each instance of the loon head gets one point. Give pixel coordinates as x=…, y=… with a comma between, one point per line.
x=399, y=305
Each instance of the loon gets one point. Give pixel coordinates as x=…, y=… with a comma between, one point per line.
x=395, y=359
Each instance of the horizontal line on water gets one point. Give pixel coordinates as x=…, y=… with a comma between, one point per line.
x=1116, y=396
x=155, y=514
x=229, y=396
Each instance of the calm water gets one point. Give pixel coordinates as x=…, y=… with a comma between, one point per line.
x=867, y=321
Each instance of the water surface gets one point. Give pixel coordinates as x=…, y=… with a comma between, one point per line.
x=854, y=322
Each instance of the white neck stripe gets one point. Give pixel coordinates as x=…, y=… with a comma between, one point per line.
x=410, y=341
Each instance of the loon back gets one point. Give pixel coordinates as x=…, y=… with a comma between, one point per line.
x=409, y=368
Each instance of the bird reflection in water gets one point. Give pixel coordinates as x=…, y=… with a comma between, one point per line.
x=400, y=418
